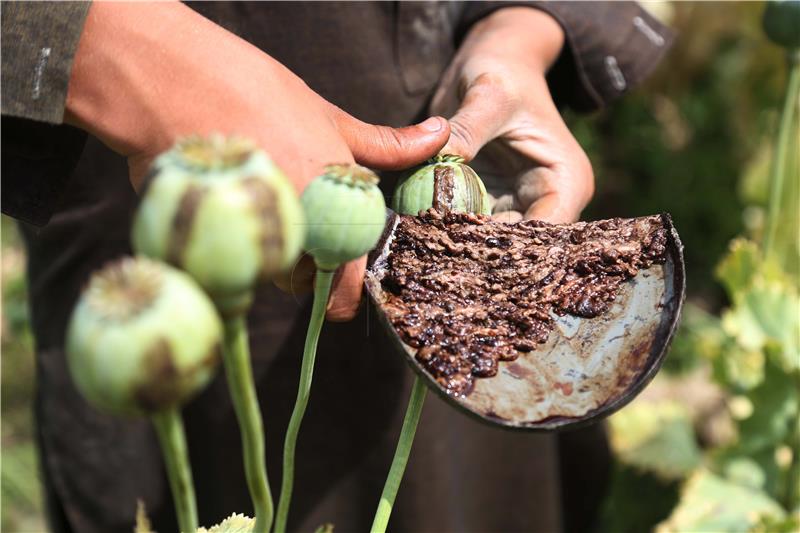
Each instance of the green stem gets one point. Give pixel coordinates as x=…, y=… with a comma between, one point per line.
x=169, y=428
x=779, y=165
x=236, y=355
x=400, y=457
x=322, y=289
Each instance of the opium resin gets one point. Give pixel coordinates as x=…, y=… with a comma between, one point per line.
x=468, y=292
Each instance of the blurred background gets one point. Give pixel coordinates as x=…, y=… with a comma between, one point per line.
x=712, y=444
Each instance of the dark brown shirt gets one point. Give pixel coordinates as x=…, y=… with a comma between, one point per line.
x=380, y=61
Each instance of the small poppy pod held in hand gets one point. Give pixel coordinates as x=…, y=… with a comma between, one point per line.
x=221, y=210
x=782, y=23
x=345, y=213
x=446, y=183
x=143, y=338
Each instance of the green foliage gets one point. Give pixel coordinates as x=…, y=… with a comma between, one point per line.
x=775, y=407
x=770, y=524
x=21, y=496
x=236, y=523
x=656, y=437
x=636, y=500
x=142, y=521
x=699, y=340
x=22, y=502
x=739, y=268
x=712, y=503
x=751, y=482
x=680, y=144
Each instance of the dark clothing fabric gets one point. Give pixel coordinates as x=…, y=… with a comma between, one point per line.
x=611, y=47
x=381, y=62
x=39, y=42
x=37, y=161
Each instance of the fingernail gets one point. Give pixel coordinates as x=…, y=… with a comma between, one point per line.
x=432, y=124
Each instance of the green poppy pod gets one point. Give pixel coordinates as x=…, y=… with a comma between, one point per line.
x=221, y=210
x=446, y=183
x=143, y=338
x=345, y=213
x=782, y=23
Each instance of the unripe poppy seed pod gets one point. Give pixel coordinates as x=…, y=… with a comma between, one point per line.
x=221, y=210
x=446, y=183
x=345, y=213
x=143, y=338
x=781, y=23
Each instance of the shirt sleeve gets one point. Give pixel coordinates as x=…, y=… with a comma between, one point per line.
x=610, y=47
x=39, y=40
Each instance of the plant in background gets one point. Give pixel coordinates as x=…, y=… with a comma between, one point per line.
x=222, y=211
x=445, y=184
x=748, y=476
x=345, y=213
x=142, y=340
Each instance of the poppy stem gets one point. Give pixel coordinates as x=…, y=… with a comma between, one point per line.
x=322, y=289
x=415, y=402
x=171, y=437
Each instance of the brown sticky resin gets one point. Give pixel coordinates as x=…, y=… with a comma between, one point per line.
x=443, y=187
x=469, y=293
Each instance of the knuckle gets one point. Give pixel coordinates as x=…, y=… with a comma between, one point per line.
x=466, y=140
x=497, y=85
x=391, y=140
x=342, y=313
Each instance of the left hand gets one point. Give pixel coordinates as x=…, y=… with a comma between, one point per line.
x=496, y=92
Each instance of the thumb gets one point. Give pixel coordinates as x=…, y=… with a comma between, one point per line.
x=387, y=148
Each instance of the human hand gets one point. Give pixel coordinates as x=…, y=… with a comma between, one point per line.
x=147, y=74
x=496, y=92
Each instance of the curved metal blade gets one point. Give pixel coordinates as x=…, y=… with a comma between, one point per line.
x=587, y=369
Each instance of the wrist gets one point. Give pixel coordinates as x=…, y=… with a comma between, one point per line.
x=110, y=73
x=522, y=34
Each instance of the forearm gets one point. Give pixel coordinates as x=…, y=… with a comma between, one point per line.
x=520, y=34
x=147, y=73
x=125, y=55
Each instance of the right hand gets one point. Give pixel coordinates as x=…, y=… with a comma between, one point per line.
x=147, y=74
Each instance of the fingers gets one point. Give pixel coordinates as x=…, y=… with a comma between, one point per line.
x=137, y=170
x=508, y=217
x=556, y=195
x=485, y=109
x=387, y=148
x=298, y=280
x=346, y=293
x=553, y=208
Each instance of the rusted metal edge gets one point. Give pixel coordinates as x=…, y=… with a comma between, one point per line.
x=377, y=260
